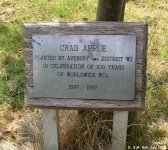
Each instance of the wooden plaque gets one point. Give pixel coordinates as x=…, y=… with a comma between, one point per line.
x=94, y=65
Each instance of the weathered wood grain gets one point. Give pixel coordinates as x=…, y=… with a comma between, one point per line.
x=119, y=134
x=90, y=28
x=50, y=122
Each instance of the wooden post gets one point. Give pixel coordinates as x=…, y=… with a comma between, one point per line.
x=110, y=10
x=50, y=121
x=120, y=121
x=113, y=10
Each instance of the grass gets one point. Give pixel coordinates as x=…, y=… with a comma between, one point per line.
x=151, y=125
x=11, y=64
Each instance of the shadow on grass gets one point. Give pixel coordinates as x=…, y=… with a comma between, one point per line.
x=12, y=65
x=10, y=37
x=157, y=101
x=3, y=28
x=145, y=126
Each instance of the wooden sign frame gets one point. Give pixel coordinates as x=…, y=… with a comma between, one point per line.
x=89, y=28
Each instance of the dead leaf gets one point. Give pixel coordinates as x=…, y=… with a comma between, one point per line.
x=6, y=132
x=13, y=136
x=61, y=16
x=1, y=136
x=85, y=19
x=154, y=51
x=6, y=3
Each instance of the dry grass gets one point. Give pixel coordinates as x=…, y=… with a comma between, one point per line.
x=30, y=131
x=89, y=131
x=20, y=130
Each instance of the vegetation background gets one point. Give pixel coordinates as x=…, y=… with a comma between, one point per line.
x=20, y=128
